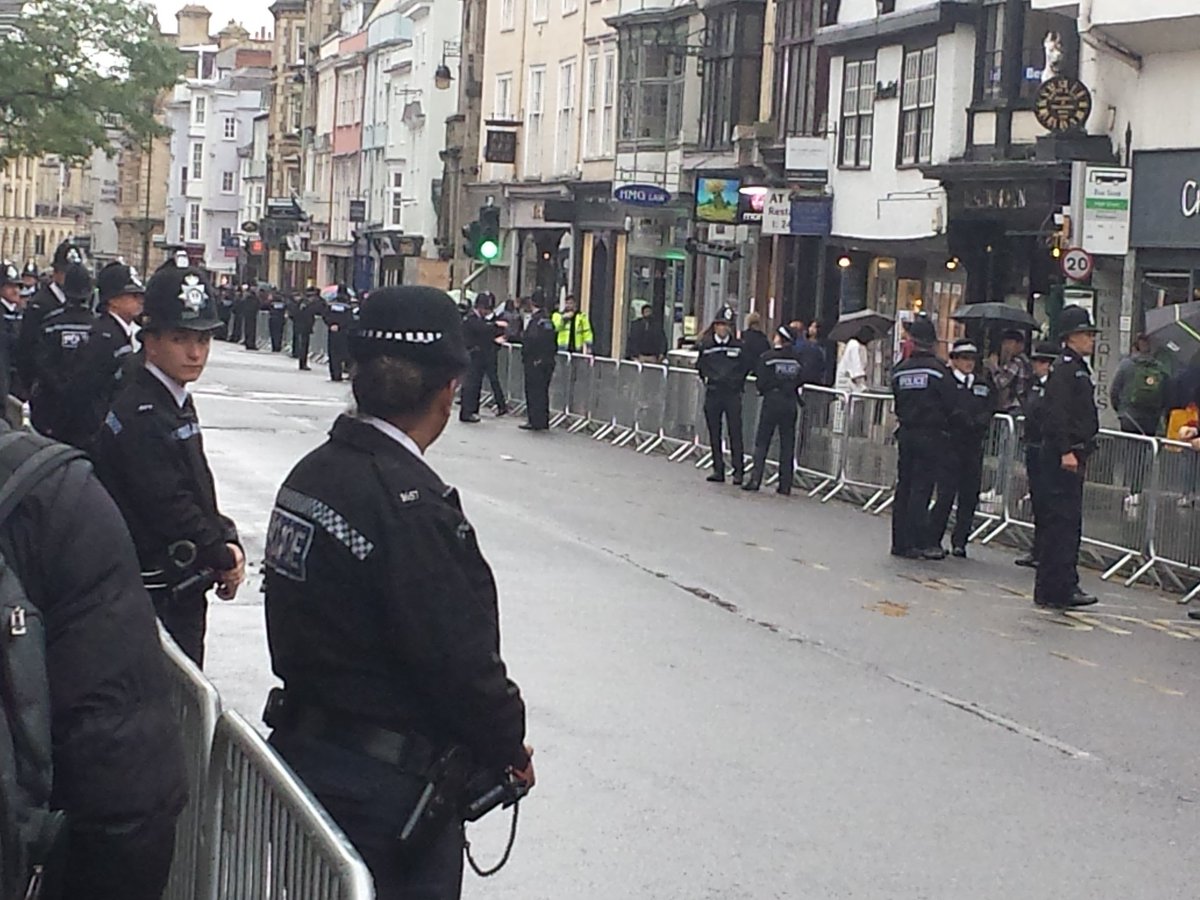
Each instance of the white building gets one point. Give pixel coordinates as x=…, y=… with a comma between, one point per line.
x=253, y=155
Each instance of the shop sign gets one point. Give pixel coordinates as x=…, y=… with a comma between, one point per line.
x=806, y=154
x=1165, y=208
x=501, y=147
x=777, y=213
x=642, y=195
x=301, y=256
x=804, y=217
x=358, y=211
x=1107, y=202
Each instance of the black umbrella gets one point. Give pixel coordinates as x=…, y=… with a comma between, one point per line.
x=850, y=324
x=1176, y=328
x=995, y=314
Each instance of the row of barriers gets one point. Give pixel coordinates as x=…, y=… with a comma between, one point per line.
x=250, y=830
x=1140, y=496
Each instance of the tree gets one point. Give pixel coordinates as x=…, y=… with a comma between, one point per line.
x=73, y=72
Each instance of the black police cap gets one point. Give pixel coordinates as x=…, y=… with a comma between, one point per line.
x=77, y=283
x=9, y=274
x=116, y=279
x=725, y=316
x=1044, y=351
x=66, y=253
x=180, y=298
x=30, y=270
x=1075, y=320
x=412, y=322
x=921, y=330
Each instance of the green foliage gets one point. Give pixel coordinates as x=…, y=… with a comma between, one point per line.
x=74, y=71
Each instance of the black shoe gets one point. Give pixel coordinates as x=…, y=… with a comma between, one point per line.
x=783, y=492
x=959, y=552
x=470, y=420
x=1081, y=598
x=1194, y=614
x=501, y=411
x=934, y=553
x=749, y=486
x=714, y=478
x=527, y=427
x=1027, y=562
x=737, y=479
x=305, y=368
x=910, y=553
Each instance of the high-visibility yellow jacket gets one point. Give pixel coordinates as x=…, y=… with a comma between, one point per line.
x=583, y=331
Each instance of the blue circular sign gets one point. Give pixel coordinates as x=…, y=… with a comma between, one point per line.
x=642, y=195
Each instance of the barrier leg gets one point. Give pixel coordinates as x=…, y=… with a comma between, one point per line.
x=1113, y=570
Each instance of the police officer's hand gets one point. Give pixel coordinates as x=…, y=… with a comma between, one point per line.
x=526, y=775
x=230, y=580
x=1070, y=462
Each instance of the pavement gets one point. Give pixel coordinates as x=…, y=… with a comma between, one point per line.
x=742, y=697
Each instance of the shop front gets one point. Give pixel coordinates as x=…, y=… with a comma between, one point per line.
x=655, y=272
x=1165, y=228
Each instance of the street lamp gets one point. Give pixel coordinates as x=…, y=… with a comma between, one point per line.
x=442, y=76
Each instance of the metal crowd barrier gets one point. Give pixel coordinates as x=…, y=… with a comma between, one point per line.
x=1169, y=506
x=250, y=830
x=869, y=455
x=820, y=443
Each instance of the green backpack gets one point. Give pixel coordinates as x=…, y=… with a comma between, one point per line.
x=1148, y=385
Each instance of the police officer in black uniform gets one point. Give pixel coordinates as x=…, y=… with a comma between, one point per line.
x=43, y=302
x=339, y=319
x=249, y=307
x=1070, y=424
x=308, y=307
x=481, y=333
x=779, y=375
x=723, y=368
x=11, y=307
x=977, y=401
x=30, y=278
x=1033, y=407
x=382, y=613
x=926, y=406
x=234, y=335
x=277, y=308
x=150, y=456
x=57, y=408
x=539, y=353
x=225, y=302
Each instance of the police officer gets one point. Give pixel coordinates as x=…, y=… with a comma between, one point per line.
x=277, y=308
x=481, y=332
x=976, y=398
x=382, y=612
x=1044, y=355
x=779, y=374
x=43, y=302
x=1070, y=424
x=723, y=368
x=30, y=278
x=236, y=295
x=57, y=408
x=110, y=360
x=539, y=349
x=150, y=456
x=308, y=306
x=225, y=302
x=339, y=319
x=926, y=406
x=11, y=307
x=249, y=307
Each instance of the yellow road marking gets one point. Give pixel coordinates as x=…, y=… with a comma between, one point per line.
x=1075, y=659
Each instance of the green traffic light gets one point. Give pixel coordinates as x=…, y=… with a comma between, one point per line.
x=488, y=250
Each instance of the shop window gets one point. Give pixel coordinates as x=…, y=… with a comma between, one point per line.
x=1165, y=289
x=858, y=113
x=801, y=73
x=916, y=106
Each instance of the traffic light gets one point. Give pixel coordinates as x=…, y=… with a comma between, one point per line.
x=489, y=233
x=470, y=235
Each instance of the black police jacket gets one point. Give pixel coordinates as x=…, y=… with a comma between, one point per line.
x=646, y=338
x=116, y=750
x=338, y=316
x=723, y=366
x=1070, y=421
x=277, y=310
x=108, y=364
x=10, y=330
x=754, y=345
x=780, y=371
x=977, y=404
x=58, y=407
x=1034, y=407
x=480, y=334
x=539, y=341
x=380, y=605
x=305, y=315
x=924, y=394
x=40, y=305
x=150, y=456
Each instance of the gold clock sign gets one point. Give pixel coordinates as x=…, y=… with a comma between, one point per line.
x=1063, y=104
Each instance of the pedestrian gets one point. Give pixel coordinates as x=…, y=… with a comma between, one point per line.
x=539, y=351
x=58, y=408
x=1044, y=355
x=114, y=764
x=851, y=372
x=339, y=318
x=1139, y=398
x=409, y=684
x=573, y=328
x=304, y=319
x=779, y=376
x=647, y=342
x=975, y=398
x=225, y=310
x=11, y=307
x=110, y=357
x=754, y=342
x=237, y=297
x=150, y=456
x=44, y=301
x=277, y=310
x=810, y=353
x=1012, y=372
x=828, y=350
x=926, y=406
x=483, y=334
x=250, y=306
x=723, y=368
x=1069, y=428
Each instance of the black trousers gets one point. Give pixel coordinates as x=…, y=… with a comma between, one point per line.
x=186, y=620
x=250, y=324
x=300, y=342
x=275, y=329
x=723, y=403
x=119, y=861
x=1062, y=530
x=779, y=412
x=481, y=365
x=1037, y=498
x=370, y=801
x=235, y=327
x=339, y=354
x=963, y=482
x=922, y=470
x=225, y=315
x=537, y=393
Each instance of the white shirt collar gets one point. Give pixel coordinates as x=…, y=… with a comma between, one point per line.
x=10, y=307
x=178, y=391
x=58, y=292
x=721, y=341
x=395, y=434
x=964, y=377
x=127, y=327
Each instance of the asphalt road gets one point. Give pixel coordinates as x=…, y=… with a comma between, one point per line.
x=738, y=696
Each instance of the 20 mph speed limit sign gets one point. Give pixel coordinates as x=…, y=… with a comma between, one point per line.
x=1077, y=264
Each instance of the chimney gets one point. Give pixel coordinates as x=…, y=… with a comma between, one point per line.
x=193, y=22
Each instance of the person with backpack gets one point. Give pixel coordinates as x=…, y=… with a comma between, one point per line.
x=91, y=763
x=1139, y=398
